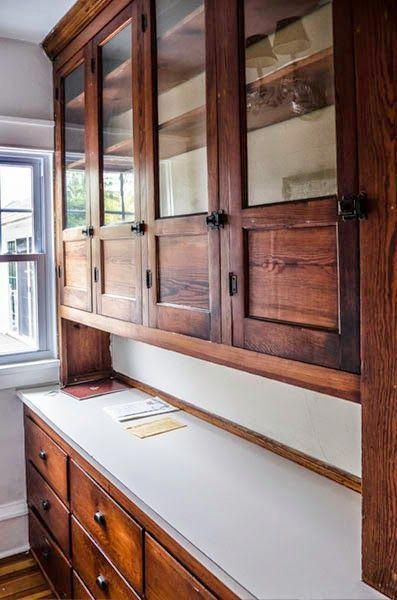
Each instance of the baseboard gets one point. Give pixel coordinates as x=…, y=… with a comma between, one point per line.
x=304, y=460
x=12, y=510
x=14, y=551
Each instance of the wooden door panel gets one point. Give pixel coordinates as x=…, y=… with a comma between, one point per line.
x=118, y=278
x=292, y=275
x=76, y=283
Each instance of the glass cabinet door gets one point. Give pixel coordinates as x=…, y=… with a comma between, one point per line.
x=119, y=229
x=75, y=235
x=298, y=287
x=184, y=251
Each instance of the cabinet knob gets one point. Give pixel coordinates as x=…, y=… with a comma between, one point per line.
x=43, y=454
x=45, y=504
x=100, y=519
x=101, y=582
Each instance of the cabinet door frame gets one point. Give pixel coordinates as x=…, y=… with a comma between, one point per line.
x=118, y=307
x=67, y=295
x=187, y=320
x=336, y=349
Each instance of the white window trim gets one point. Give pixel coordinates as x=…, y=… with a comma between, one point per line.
x=46, y=314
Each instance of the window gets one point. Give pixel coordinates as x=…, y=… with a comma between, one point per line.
x=26, y=258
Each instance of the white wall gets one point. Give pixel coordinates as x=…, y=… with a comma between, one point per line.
x=26, y=110
x=324, y=427
x=26, y=115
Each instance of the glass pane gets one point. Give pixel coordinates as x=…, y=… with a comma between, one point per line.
x=18, y=307
x=75, y=181
x=16, y=215
x=117, y=133
x=291, y=139
x=182, y=107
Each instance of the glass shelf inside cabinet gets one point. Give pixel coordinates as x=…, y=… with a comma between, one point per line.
x=182, y=124
x=117, y=129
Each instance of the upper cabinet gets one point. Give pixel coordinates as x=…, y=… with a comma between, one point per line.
x=206, y=173
x=183, y=248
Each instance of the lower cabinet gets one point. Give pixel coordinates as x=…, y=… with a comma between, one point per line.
x=92, y=545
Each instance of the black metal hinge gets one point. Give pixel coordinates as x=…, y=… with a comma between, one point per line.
x=352, y=206
x=149, y=279
x=92, y=65
x=59, y=271
x=216, y=220
x=143, y=22
x=57, y=94
x=138, y=227
x=232, y=284
x=96, y=274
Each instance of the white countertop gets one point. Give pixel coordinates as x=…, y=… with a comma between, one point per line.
x=253, y=518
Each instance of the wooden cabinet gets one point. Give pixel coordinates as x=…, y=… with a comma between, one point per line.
x=105, y=547
x=207, y=182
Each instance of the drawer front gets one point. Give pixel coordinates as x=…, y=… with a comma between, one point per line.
x=49, y=507
x=80, y=592
x=117, y=534
x=166, y=578
x=100, y=576
x=47, y=457
x=50, y=558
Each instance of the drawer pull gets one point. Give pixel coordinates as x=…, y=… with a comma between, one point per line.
x=45, y=504
x=102, y=583
x=43, y=455
x=100, y=519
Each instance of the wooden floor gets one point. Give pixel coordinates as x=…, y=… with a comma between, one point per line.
x=20, y=578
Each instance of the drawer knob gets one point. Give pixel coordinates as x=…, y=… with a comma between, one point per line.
x=100, y=519
x=45, y=504
x=102, y=583
x=43, y=455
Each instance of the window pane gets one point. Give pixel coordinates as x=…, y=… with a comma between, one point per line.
x=18, y=307
x=16, y=231
x=118, y=166
x=291, y=140
x=75, y=181
x=16, y=187
x=182, y=107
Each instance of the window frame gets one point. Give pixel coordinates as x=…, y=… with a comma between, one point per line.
x=42, y=255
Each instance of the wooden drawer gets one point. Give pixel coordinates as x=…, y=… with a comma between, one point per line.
x=50, y=557
x=49, y=507
x=166, y=578
x=48, y=458
x=80, y=592
x=98, y=573
x=118, y=535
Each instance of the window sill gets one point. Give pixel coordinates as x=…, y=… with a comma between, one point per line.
x=29, y=373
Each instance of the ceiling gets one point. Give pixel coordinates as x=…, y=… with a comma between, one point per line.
x=30, y=20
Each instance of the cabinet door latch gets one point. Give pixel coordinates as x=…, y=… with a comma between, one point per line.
x=96, y=274
x=143, y=22
x=149, y=279
x=216, y=220
x=138, y=228
x=88, y=231
x=232, y=284
x=352, y=206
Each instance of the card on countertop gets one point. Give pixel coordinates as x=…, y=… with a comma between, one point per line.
x=139, y=408
x=144, y=430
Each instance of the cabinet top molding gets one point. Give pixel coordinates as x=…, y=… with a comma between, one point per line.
x=72, y=23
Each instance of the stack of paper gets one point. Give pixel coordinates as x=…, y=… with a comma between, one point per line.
x=138, y=409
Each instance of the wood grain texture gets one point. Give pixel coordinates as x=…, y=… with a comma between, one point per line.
x=317, y=466
x=170, y=544
x=183, y=270
x=84, y=351
x=53, y=464
x=46, y=504
x=80, y=591
x=21, y=578
x=166, y=579
x=91, y=563
x=312, y=377
x=50, y=558
x=118, y=536
x=292, y=275
x=376, y=64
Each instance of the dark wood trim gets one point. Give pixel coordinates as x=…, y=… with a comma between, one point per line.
x=312, y=377
x=376, y=66
x=171, y=545
x=304, y=460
